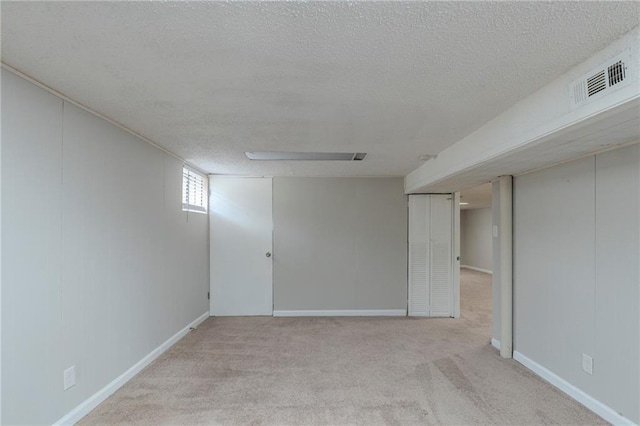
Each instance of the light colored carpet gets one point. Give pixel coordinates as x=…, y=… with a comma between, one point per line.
x=295, y=371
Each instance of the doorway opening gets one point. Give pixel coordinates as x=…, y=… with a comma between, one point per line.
x=476, y=258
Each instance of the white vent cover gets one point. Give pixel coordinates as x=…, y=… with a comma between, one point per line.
x=601, y=81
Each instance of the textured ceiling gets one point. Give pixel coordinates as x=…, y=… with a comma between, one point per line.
x=209, y=81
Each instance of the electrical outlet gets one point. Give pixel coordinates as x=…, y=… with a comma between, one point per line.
x=69, y=377
x=587, y=364
x=495, y=231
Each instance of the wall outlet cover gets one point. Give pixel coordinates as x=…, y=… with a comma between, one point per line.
x=69, y=377
x=587, y=364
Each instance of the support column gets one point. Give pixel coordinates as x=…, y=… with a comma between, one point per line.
x=505, y=237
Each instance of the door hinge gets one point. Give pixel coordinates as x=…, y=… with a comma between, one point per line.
x=208, y=296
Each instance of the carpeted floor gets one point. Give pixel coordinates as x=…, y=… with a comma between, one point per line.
x=295, y=371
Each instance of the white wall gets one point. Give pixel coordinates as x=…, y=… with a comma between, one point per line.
x=576, y=277
x=100, y=265
x=476, y=245
x=339, y=244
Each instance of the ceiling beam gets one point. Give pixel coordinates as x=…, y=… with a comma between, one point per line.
x=539, y=130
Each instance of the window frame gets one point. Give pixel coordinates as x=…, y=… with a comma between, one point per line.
x=200, y=184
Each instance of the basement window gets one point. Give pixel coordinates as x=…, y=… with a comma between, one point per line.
x=194, y=191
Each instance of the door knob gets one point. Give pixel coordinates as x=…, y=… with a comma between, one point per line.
x=268, y=254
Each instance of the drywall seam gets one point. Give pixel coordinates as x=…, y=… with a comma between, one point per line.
x=97, y=114
x=97, y=398
x=343, y=313
x=601, y=409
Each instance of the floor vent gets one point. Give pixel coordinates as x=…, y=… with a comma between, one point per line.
x=600, y=81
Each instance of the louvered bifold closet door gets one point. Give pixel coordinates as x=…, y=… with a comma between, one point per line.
x=440, y=252
x=419, y=255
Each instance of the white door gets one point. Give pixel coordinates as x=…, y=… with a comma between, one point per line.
x=431, y=255
x=241, y=226
x=419, y=207
x=440, y=256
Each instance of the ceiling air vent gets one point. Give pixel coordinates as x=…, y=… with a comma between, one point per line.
x=600, y=81
x=305, y=156
x=616, y=73
x=596, y=83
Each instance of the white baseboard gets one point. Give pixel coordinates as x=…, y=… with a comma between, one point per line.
x=604, y=411
x=85, y=407
x=495, y=343
x=344, y=313
x=473, y=268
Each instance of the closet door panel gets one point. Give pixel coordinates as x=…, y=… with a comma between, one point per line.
x=419, y=206
x=440, y=243
x=430, y=255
